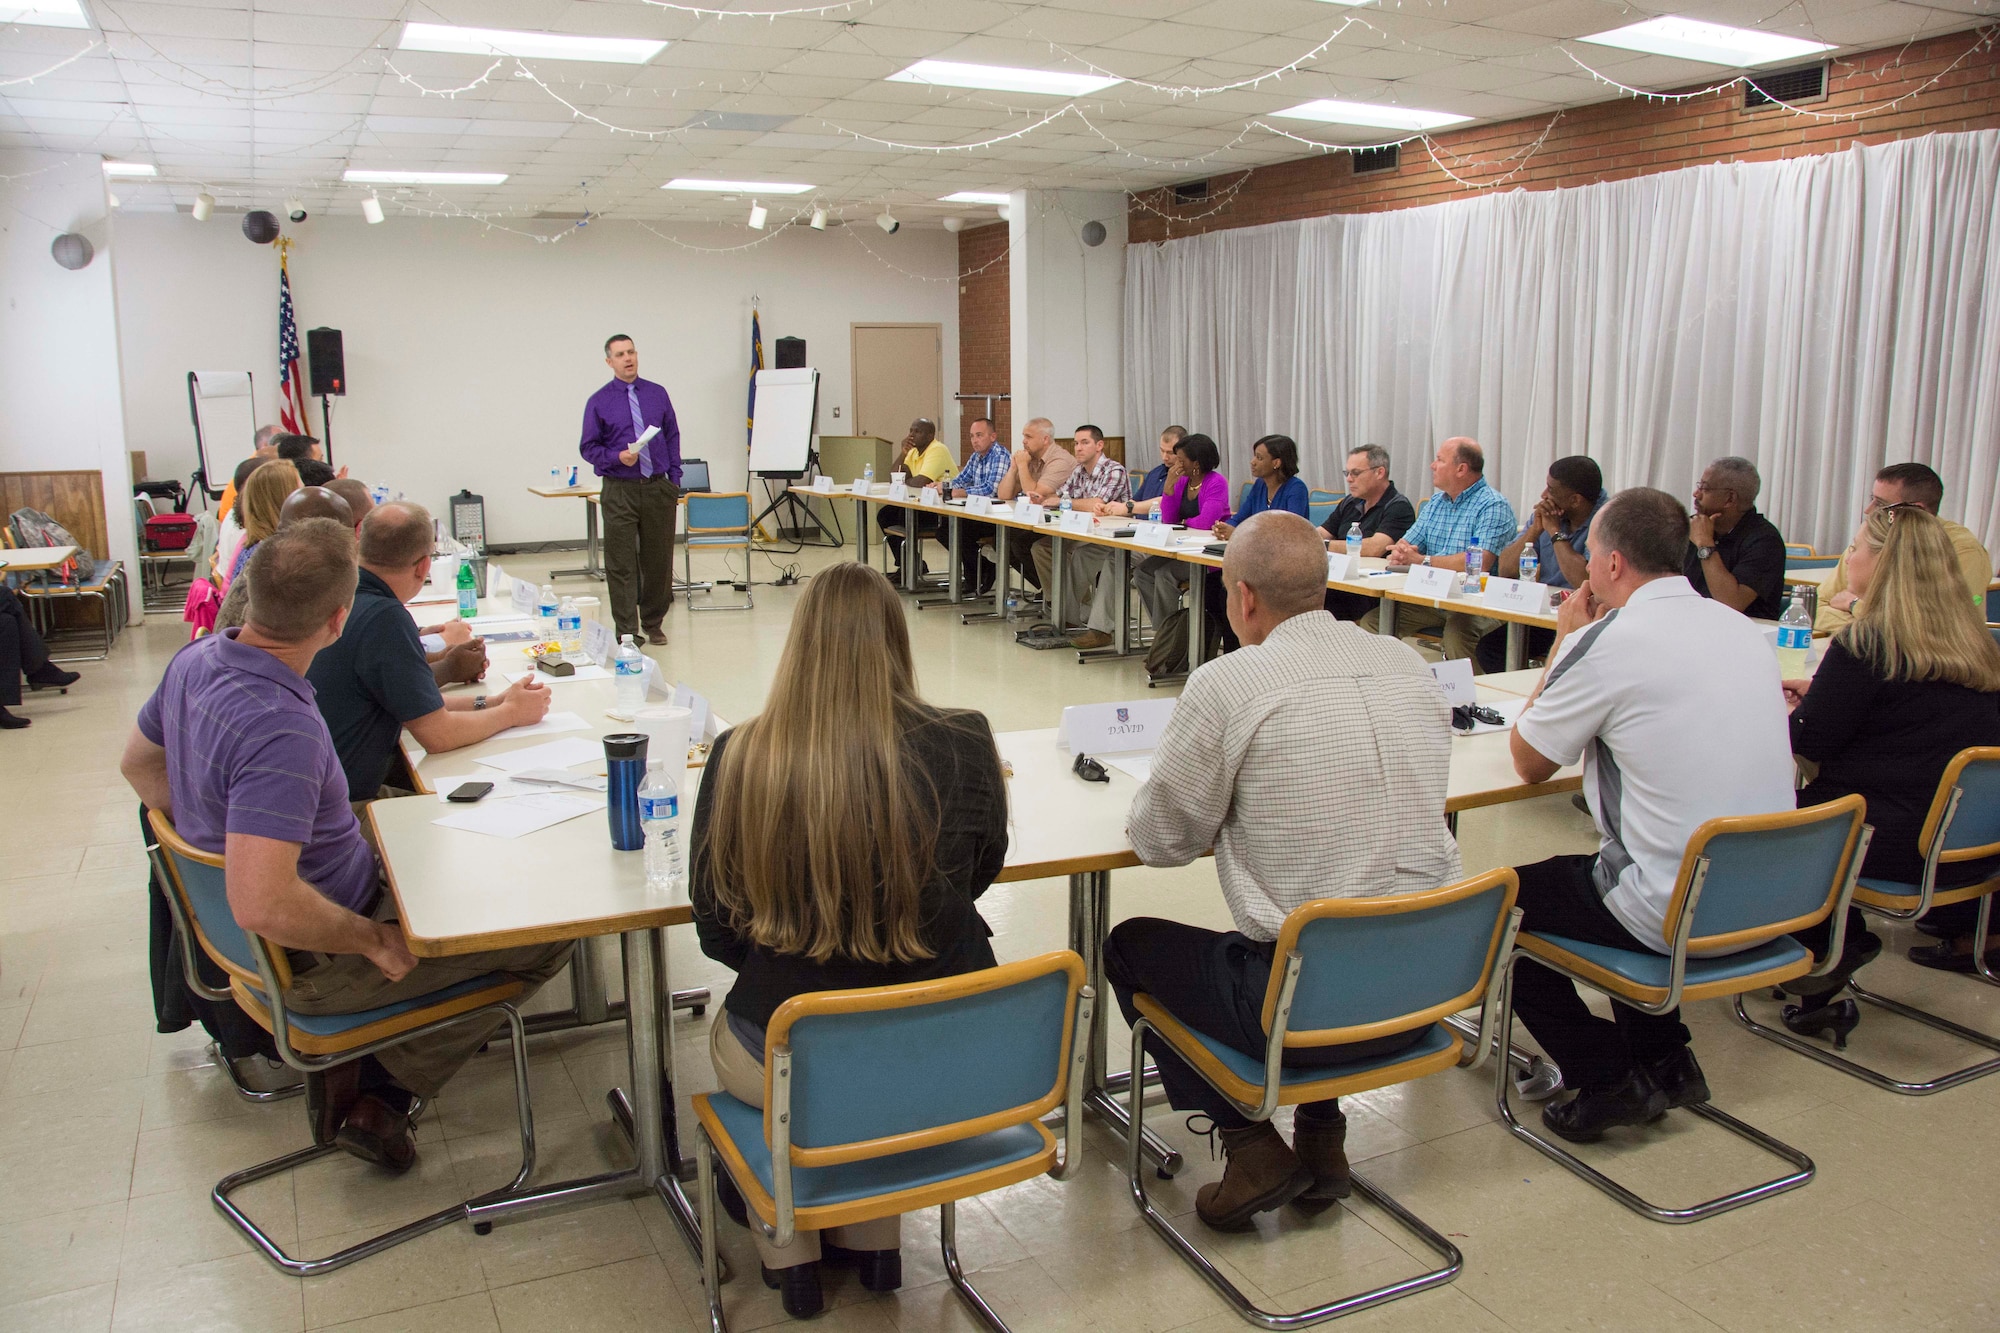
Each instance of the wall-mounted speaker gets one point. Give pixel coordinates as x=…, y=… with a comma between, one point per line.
x=328, y=363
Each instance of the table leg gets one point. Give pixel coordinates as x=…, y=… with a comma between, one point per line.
x=1517, y=645
x=954, y=593
x=1089, y=923
x=1121, y=575
x=1197, y=613
x=1386, y=622
x=1056, y=579
x=593, y=564
x=861, y=530
x=911, y=554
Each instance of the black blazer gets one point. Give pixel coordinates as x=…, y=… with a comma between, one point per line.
x=957, y=770
x=1889, y=741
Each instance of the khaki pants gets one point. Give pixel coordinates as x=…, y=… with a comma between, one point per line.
x=742, y=1077
x=348, y=983
x=639, y=519
x=1462, y=632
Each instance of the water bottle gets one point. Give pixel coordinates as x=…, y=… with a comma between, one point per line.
x=468, y=590
x=1531, y=565
x=660, y=816
x=625, y=774
x=1354, y=539
x=1013, y=605
x=545, y=613
x=1794, y=640
x=569, y=628
x=629, y=665
x=868, y=475
x=1063, y=506
x=1475, y=560
x=572, y=476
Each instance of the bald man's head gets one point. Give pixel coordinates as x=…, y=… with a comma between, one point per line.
x=359, y=501
x=315, y=502
x=1282, y=559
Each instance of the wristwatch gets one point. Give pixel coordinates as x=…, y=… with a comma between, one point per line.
x=479, y=703
x=1703, y=552
x=1564, y=537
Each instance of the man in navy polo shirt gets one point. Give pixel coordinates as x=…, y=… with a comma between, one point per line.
x=231, y=746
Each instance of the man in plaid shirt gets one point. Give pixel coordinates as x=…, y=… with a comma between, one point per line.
x=1463, y=514
x=980, y=475
x=1097, y=478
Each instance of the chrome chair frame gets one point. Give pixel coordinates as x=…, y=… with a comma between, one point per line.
x=1693, y=876
x=714, y=539
x=1944, y=809
x=1278, y=1025
x=1069, y=1093
x=270, y=981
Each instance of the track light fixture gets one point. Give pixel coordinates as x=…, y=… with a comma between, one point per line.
x=758, y=215
x=371, y=208
x=887, y=222
x=818, y=219
x=204, y=207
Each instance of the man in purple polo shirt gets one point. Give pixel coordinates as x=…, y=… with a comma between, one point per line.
x=641, y=492
x=232, y=748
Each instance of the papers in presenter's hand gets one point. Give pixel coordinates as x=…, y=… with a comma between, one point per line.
x=641, y=442
x=522, y=815
x=564, y=753
x=554, y=724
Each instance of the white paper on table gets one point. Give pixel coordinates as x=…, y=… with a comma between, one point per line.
x=551, y=725
x=587, y=671
x=564, y=753
x=503, y=789
x=541, y=779
x=1139, y=766
x=1511, y=709
x=484, y=625
x=522, y=815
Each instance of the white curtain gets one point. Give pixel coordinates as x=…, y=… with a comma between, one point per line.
x=1821, y=316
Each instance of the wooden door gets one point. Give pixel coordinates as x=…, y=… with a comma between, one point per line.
x=898, y=377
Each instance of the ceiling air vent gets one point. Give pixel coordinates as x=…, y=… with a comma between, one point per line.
x=1807, y=83
x=1368, y=161
x=1191, y=192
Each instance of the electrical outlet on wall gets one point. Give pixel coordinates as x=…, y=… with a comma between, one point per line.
x=836, y=414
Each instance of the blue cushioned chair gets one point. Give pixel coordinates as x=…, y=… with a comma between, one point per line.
x=1963, y=824
x=1745, y=883
x=1794, y=550
x=1811, y=561
x=313, y=1043
x=718, y=520
x=1321, y=504
x=884, y=1100
x=1354, y=969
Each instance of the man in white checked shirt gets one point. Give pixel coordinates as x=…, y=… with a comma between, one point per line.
x=1314, y=761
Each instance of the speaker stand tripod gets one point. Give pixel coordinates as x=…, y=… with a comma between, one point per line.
x=326, y=425
x=793, y=507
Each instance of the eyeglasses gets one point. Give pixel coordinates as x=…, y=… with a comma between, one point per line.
x=1089, y=769
x=1359, y=471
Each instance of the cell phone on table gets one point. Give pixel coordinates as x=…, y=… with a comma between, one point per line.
x=468, y=792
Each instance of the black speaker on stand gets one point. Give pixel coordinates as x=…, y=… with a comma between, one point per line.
x=327, y=366
x=791, y=354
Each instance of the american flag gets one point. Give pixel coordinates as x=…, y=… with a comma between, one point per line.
x=291, y=387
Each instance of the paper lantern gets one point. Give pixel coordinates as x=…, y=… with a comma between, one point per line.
x=72, y=251
x=260, y=227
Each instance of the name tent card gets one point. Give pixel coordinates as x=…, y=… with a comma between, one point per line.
x=1115, y=728
x=860, y=486
x=1024, y=508
x=899, y=490
x=930, y=495
x=1456, y=678
x=1431, y=581
x=697, y=706
x=823, y=485
x=1517, y=595
x=1339, y=566
x=524, y=597
x=598, y=642
x=1076, y=520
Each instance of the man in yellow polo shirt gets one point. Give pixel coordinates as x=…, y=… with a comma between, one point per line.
x=926, y=462
x=266, y=447
x=1906, y=484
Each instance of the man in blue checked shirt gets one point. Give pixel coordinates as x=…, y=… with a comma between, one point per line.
x=1462, y=513
x=984, y=466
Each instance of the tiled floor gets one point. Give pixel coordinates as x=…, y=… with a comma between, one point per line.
x=111, y=1135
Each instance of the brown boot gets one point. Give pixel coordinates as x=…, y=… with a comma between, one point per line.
x=1263, y=1173
x=376, y=1133
x=1322, y=1147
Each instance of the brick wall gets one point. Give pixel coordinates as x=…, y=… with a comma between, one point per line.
x=984, y=362
x=1609, y=141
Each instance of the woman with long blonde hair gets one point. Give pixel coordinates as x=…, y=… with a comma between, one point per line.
x=1911, y=682
x=841, y=839
x=262, y=503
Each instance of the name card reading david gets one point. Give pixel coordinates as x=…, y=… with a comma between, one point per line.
x=1343, y=566
x=1456, y=678
x=598, y=642
x=1431, y=581
x=823, y=485
x=1115, y=728
x=524, y=597
x=1517, y=595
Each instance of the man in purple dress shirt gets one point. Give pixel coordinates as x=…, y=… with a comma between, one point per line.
x=642, y=490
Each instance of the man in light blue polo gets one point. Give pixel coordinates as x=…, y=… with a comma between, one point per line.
x=1463, y=513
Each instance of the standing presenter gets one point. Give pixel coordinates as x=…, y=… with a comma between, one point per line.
x=642, y=490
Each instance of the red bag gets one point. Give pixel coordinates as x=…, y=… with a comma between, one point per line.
x=170, y=532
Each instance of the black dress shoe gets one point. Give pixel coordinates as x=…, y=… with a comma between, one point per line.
x=49, y=676
x=10, y=722
x=731, y=1199
x=1679, y=1077
x=1634, y=1100
x=1946, y=957
x=797, y=1287
x=1838, y=1018
x=880, y=1270
x=330, y=1095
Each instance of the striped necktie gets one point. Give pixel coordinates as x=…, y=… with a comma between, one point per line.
x=638, y=429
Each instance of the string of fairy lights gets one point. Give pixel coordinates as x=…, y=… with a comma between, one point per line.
x=1021, y=124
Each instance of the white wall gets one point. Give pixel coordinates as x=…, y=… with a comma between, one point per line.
x=59, y=376
x=1066, y=303
x=470, y=352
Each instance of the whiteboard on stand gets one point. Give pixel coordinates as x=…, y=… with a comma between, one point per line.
x=781, y=437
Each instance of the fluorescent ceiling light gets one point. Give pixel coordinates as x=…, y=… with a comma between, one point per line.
x=1003, y=78
x=538, y=45
x=424, y=177
x=734, y=187
x=1711, y=43
x=974, y=197
x=45, y=13
x=130, y=169
x=1336, y=112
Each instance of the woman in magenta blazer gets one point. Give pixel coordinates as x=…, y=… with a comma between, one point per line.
x=1197, y=498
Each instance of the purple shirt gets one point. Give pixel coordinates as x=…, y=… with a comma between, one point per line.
x=247, y=752
x=608, y=431
x=1211, y=501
